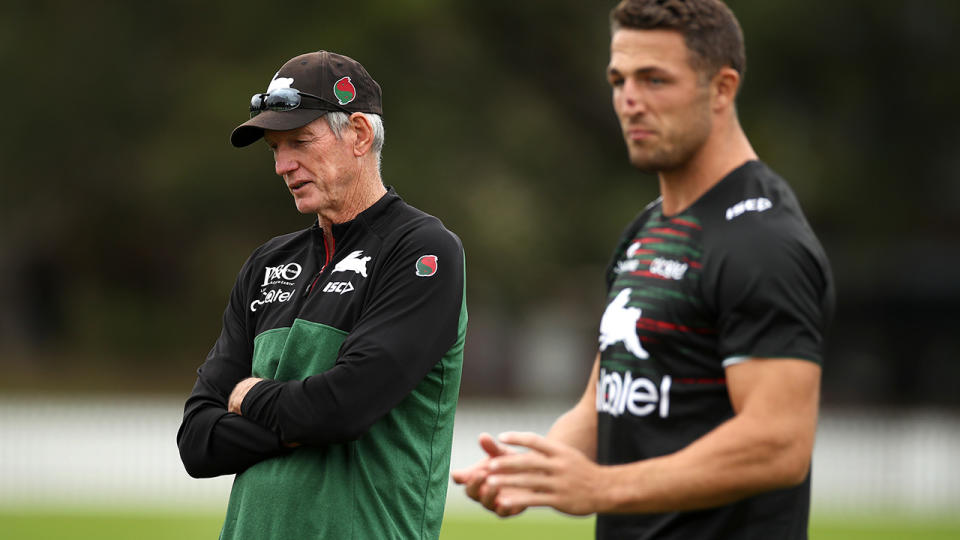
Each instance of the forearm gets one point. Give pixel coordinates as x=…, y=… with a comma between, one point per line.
x=577, y=428
x=739, y=458
x=213, y=442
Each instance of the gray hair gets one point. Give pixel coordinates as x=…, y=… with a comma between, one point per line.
x=338, y=121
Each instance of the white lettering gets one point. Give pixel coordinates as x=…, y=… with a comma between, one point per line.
x=271, y=296
x=668, y=268
x=758, y=204
x=627, y=266
x=289, y=272
x=639, y=397
x=339, y=287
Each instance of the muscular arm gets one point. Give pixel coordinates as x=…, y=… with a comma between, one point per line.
x=766, y=445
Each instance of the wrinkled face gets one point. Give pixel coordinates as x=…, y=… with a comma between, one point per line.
x=661, y=102
x=318, y=169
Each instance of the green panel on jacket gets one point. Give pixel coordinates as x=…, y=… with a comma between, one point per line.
x=393, y=479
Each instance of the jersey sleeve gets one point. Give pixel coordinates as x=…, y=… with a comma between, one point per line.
x=212, y=441
x=771, y=292
x=411, y=319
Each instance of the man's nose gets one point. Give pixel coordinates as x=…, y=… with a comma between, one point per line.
x=632, y=98
x=283, y=163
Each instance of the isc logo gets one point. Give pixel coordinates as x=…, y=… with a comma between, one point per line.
x=338, y=287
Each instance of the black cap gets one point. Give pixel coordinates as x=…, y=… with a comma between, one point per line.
x=336, y=78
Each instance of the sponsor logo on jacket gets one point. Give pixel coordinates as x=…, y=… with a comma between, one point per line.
x=285, y=273
x=276, y=280
x=271, y=296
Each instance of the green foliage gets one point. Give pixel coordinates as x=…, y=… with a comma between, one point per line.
x=119, y=181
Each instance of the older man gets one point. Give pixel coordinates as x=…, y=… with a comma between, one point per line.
x=699, y=417
x=331, y=390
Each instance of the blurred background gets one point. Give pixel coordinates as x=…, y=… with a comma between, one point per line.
x=125, y=214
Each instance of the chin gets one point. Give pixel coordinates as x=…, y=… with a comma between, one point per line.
x=306, y=207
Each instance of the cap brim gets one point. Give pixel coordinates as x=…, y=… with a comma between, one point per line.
x=251, y=130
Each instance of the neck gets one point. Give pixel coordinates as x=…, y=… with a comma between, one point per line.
x=366, y=190
x=726, y=149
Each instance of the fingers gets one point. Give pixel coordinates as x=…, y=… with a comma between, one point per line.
x=491, y=446
x=516, y=463
x=530, y=440
x=517, y=473
x=235, y=400
x=526, y=481
x=478, y=470
x=513, y=501
x=461, y=476
x=476, y=485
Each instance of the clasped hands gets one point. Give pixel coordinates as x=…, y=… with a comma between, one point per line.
x=550, y=473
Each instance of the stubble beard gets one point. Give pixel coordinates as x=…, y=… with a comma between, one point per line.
x=674, y=152
x=674, y=149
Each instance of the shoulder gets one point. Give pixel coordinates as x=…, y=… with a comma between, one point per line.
x=753, y=213
x=284, y=242
x=289, y=242
x=754, y=231
x=405, y=225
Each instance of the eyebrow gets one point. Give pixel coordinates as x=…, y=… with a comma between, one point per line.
x=639, y=71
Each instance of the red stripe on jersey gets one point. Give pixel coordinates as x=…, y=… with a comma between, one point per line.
x=646, y=273
x=644, y=323
x=669, y=231
x=685, y=223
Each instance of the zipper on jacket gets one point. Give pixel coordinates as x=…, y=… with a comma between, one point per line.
x=328, y=254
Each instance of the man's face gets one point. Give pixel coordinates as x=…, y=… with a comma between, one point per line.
x=661, y=102
x=318, y=169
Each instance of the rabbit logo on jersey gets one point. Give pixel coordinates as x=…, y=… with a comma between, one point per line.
x=618, y=392
x=619, y=324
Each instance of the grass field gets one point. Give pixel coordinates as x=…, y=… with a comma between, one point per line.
x=33, y=525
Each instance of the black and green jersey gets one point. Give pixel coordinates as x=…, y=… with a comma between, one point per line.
x=362, y=345
x=738, y=274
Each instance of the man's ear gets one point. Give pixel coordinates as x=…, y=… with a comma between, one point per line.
x=723, y=88
x=364, y=130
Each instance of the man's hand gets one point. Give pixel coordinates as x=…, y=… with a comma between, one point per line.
x=239, y=392
x=474, y=477
x=552, y=474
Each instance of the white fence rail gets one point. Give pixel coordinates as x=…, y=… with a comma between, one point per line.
x=113, y=452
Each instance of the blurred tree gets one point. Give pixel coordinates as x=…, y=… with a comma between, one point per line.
x=125, y=214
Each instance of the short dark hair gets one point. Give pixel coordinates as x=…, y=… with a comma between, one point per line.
x=710, y=30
